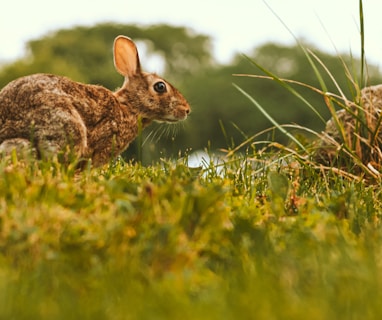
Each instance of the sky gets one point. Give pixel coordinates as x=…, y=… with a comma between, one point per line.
x=235, y=26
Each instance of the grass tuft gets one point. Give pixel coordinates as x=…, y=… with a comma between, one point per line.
x=351, y=142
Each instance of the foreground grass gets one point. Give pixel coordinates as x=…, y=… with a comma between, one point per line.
x=168, y=242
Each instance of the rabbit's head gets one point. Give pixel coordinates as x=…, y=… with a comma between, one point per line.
x=146, y=94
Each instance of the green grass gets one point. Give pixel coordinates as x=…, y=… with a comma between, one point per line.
x=265, y=238
x=266, y=234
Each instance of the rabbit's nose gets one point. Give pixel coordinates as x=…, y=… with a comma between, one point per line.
x=187, y=109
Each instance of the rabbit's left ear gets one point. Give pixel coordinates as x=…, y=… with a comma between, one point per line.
x=126, y=59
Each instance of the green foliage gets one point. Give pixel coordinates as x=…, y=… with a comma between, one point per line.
x=261, y=239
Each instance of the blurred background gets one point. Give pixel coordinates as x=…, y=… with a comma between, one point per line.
x=198, y=46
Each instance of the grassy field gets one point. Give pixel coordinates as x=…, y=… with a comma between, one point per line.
x=265, y=234
x=255, y=238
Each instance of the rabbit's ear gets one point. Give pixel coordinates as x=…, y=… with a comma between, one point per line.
x=126, y=59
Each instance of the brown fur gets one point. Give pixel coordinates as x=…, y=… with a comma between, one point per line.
x=364, y=139
x=50, y=112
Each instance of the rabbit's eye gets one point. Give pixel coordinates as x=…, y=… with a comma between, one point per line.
x=160, y=87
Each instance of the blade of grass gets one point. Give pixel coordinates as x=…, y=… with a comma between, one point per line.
x=353, y=83
x=266, y=114
x=363, y=129
x=225, y=135
x=322, y=64
x=328, y=101
x=286, y=86
x=250, y=139
x=362, y=37
x=314, y=67
x=310, y=60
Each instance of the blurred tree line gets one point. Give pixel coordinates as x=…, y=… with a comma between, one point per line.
x=221, y=116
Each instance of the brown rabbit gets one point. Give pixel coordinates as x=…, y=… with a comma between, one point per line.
x=48, y=113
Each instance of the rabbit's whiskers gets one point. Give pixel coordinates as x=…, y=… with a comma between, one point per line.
x=167, y=131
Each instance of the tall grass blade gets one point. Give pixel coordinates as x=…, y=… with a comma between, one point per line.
x=310, y=60
x=288, y=87
x=362, y=37
x=315, y=69
x=266, y=114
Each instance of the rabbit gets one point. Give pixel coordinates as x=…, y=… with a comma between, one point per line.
x=368, y=142
x=48, y=113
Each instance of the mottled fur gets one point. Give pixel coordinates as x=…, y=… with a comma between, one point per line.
x=371, y=102
x=48, y=113
x=359, y=137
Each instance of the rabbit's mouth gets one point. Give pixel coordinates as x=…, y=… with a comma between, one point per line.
x=181, y=113
x=173, y=118
x=169, y=120
x=175, y=115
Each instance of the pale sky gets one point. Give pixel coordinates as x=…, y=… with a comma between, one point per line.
x=235, y=26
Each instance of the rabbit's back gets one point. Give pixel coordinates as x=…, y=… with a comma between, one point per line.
x=53, y=111
x=24, y=95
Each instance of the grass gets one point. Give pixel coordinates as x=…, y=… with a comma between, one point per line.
x=256, y=237
x=352, y=139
